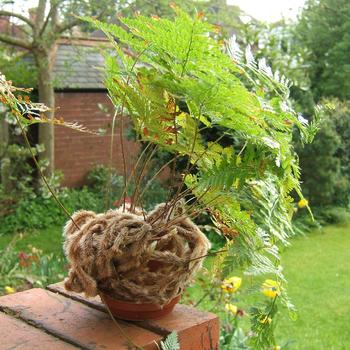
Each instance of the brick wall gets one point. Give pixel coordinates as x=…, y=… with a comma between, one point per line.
x=76, y=153
x=4, y=24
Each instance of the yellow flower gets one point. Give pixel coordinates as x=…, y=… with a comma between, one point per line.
x=271, y=288
x=231, y=308
x=230, y=285
x=34, y=250
x=9, y=290
x=276, y=347
x=265, y=320
x=303, y=203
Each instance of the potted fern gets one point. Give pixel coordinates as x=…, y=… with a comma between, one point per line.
x=228, y=121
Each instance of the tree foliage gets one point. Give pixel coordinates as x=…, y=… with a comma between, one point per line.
x=38, y=34
x=324, y=32
x=325, y=163
x=216, y=12
x=321, y=41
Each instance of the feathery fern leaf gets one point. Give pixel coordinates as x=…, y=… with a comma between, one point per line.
x=171, y=342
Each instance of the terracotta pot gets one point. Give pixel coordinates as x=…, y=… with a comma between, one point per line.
x=130, y=311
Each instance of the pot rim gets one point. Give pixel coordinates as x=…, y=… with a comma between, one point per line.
x=137, y=306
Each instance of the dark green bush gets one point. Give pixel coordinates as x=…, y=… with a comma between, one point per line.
x=325, y=163
x=41, y=212
x=106, y=182
x=109, y=186
x=38, y=210
x=333, y=215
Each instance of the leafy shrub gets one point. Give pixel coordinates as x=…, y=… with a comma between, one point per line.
x=105, y=181
x=20, y=174
x=38, y=212
x=325, y=163
x=333, y=215
x=230, y=298
x=109, y=186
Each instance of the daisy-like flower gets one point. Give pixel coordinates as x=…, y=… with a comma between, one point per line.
x=303, y=203
x=230, y=285
x=9, y=290
x=271, y=288
x=231, y=308
x=265, y=320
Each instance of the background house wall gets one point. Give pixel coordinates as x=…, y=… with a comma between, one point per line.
x=80, y=92
x=77, y=153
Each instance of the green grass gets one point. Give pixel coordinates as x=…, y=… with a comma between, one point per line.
x=32, y=269
x=317, y=267
x=49, y=240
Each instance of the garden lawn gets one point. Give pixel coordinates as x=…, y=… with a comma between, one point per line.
x=48, y=240
x=317, y=267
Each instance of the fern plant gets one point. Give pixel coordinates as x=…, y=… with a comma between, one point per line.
x=178, y=83
x=17, y=101
x=226, y=116
x=171, y=342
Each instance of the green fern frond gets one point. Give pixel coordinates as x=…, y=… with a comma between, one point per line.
x=171, y=342
x=17, y=101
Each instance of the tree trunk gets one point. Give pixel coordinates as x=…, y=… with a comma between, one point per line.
x=46, y=91
x=4, y=134
x=5, y=162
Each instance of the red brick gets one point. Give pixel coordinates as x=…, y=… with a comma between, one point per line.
x=76, y=153
x=16, y=334
x=79, y=324
x=196, y=329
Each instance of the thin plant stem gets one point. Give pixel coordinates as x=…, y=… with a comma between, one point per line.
x=242, y=149
x=190, y=169
x=199, y=211
x=121, y=135
x=217, y=302
x=208, y=254
x=172, y=204
x=188, y=51
x=143, y=211
x=129, y=340
x=121, y=130
x=202, y=298
x=189, y=158
x=141, y=176
x=190, y=215
x=149, y=182
x=197, y=199
x=42, y=176
x=134, y=169
x=109, y=184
